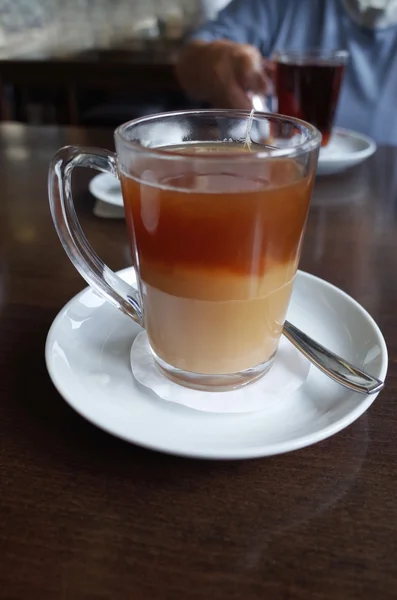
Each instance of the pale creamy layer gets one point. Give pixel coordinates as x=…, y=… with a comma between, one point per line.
x=216, y=324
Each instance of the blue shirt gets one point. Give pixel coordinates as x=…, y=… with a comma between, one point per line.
x=368, y=99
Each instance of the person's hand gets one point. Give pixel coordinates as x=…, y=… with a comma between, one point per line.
x=234, y=73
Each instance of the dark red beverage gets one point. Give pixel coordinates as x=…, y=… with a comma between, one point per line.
x=307, y=87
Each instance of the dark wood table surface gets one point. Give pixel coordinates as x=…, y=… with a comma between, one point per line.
x=86, y=516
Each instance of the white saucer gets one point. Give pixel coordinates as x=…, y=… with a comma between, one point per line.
x=345, y=149
x=106, y=188
x=87, y=355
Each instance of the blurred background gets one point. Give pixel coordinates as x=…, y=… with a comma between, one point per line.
x=93, y=62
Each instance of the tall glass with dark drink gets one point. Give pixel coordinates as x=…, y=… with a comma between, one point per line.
x=307, y=86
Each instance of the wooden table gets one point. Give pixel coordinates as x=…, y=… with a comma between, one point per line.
x=84, y=516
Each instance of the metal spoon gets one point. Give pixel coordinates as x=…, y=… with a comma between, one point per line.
x=331, y=364
x=259, y=103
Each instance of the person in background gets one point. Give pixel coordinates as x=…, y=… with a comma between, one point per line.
x=223, y=63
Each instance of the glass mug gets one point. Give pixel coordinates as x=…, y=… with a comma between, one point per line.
x=307, y=85
x=215, y=229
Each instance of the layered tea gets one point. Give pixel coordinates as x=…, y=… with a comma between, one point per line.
x=217, y=244
x=309, y=90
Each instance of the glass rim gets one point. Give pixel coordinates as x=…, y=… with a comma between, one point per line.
x=308, y=145
x=339, y=55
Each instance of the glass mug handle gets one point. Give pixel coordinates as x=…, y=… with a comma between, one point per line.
x=86, y=261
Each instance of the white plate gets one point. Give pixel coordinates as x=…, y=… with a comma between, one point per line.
x=106, y=188
x=87, y=355
x=345, y=149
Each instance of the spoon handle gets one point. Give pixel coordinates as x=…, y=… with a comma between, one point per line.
x=332, y=365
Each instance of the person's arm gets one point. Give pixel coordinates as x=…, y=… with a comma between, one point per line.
x=223, y=73
x=222, y=64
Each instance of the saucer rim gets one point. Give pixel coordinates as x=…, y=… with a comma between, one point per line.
x=269, y=449
x=358, y=156
x=103, y=195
